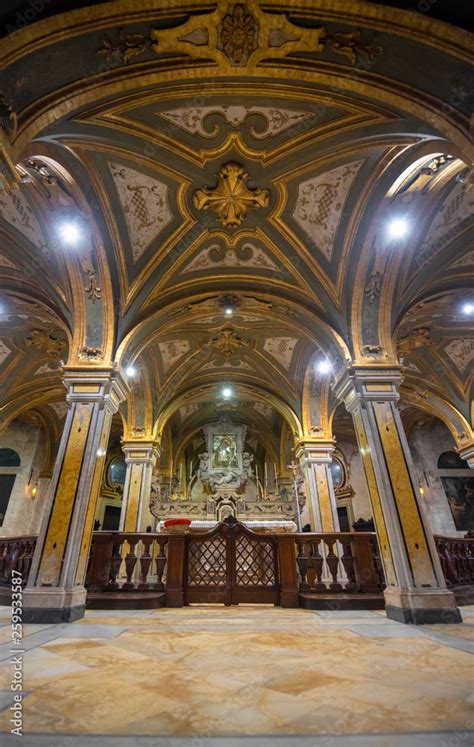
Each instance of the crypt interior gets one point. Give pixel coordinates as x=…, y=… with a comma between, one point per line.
x=236, y=370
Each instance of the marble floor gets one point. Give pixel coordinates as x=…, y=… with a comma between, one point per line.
x=245, y=676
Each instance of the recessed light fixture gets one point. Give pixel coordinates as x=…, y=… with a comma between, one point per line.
x=228, y=312
x=100, y=452
x=70, y=232
x=397, y=228
x=468, y=308
x=131, y=371
x=324, y=367
x=227, y=392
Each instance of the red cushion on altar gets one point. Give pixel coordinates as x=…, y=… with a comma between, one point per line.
x=171, y=522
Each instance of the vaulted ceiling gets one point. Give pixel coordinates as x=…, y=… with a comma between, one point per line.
x=235, y=149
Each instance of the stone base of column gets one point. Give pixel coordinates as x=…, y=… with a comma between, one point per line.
x=53, y=606
x=421, y=607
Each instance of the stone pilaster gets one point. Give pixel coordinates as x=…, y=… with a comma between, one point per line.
x=140, y=457
x=416, y=590
x=315, y=457
x=55, y=591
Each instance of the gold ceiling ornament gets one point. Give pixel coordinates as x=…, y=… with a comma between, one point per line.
x=240, y=35
x=419, y=337
x=351, y=46
x=373, y=288
x=45, y=342
x=231, y=198
x=90, y=354
x=227, y=343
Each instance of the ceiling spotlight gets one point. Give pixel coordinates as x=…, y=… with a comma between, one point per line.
x=227, y=392
x=397, y=228
x=229, y=304
x=131, y=371
x=70, y=232
x=324, y=367
x=100, y=452
x=468, y=308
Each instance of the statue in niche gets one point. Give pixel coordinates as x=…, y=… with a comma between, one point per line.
x=203, y=468
x=224, y=452
x=247, y=460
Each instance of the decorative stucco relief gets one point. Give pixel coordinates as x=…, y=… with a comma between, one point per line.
x=247, y=255
x=458, y=206
x=263, y=409
x=461, y=353
x=281, y=348
x=172, y=351
x=18, y=213
x=320, y=202
x=187, y=411
x=4, y=351
x=144, y=200
x=192, y=119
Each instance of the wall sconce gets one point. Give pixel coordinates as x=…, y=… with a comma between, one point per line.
x=34, y=490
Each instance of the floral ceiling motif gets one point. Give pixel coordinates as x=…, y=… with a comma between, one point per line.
x=231, y=198
x=144, y=201
x=320, y=202
x=238, y=35
x=276, y=120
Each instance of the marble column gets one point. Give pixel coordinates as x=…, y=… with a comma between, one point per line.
x=140, y=457
x=416, y=590
x=55, y=590
x=315, y=457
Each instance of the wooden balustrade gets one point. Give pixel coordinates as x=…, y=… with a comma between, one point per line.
x=341, y=562
x=16, y=554
x=319, y=565
x=142, y=556
x=457, y=560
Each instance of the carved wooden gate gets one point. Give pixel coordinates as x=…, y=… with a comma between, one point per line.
x=231, y=564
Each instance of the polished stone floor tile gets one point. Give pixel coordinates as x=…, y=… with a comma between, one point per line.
x=204, y=676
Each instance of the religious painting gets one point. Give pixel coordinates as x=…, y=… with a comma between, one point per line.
x=224, y=452
x=460, y=495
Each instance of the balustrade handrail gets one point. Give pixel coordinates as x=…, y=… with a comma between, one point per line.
x=16, y=554
x=456, y=556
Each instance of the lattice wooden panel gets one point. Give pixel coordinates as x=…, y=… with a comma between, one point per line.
x=207, y=563
x=254, y=563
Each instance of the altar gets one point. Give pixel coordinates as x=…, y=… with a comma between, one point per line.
x=226, y=482
x=261, y=527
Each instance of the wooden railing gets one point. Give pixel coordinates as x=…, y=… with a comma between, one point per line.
x=125, y=561
x=457, y=560
x=345, y=562
x=336, y=563
x=16, y=554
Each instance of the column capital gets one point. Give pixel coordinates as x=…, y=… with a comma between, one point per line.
x=364, y=383
x=310, y=449
x=102, y=385
x=467, y=452
x=141, y=451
